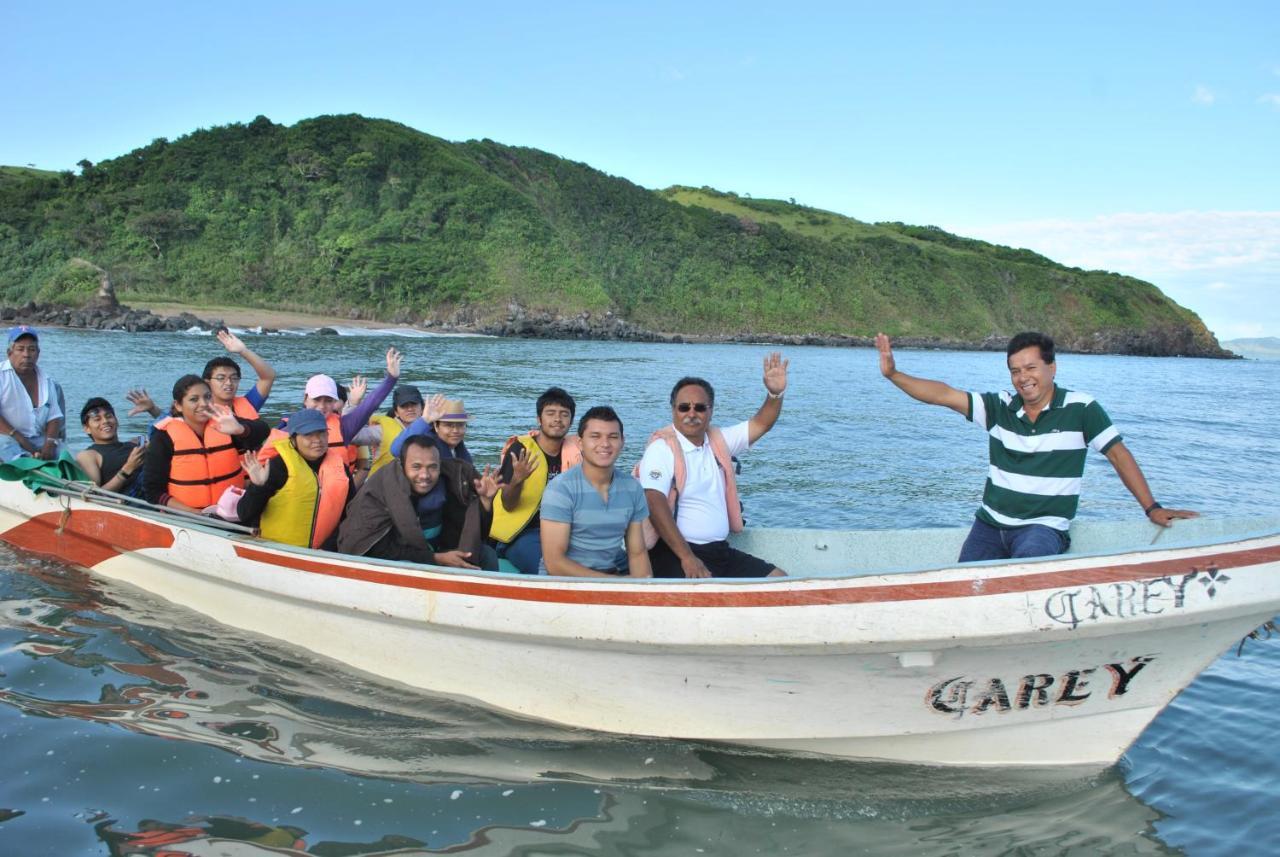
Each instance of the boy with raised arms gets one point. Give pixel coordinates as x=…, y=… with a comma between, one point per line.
x=222, y=374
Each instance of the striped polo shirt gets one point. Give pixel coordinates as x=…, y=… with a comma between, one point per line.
x=1035, y=471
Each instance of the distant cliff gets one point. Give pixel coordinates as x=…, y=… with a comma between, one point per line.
x=365, y=217
x=1260, y=348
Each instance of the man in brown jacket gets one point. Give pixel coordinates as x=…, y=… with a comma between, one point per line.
x=421, y=511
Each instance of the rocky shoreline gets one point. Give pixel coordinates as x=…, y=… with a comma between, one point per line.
x=104, y=313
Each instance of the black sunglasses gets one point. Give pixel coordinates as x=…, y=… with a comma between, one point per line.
x=684, y=407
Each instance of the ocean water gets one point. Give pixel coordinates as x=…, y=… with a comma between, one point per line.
x=130, y=726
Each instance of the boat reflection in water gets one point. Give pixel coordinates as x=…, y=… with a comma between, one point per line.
x=363, y=767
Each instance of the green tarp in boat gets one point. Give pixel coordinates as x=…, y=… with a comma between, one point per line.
x=36, y=473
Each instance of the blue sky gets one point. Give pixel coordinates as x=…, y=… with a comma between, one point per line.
x=1136, y=137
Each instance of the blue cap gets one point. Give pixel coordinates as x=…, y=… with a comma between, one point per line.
x=306, y=421
x=16, y=333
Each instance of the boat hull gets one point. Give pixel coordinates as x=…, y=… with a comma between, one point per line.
x=1055, y=662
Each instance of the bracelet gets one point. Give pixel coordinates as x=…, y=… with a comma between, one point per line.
x=127, y=476
x=1152, y=508
x=776, y=395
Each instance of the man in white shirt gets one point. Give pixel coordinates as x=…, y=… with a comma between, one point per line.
x=31, y=416
x=688, y=474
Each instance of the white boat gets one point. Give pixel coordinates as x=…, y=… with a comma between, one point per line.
x=879, y=646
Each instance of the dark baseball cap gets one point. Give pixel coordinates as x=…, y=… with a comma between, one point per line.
x=406, y=394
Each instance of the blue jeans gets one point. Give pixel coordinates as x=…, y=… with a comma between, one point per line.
x=524, y=552
x=988, y=542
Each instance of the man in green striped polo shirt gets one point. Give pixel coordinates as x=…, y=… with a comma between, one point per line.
x=1039, y=438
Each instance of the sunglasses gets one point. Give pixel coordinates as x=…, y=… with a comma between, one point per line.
x=685, y=407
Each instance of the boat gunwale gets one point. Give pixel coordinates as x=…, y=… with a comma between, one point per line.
x=948, y=581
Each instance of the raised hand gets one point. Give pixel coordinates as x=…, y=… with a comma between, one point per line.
x=775, y=373
x=434, y=408
x=393, y=362
x=454, y=559
x=355, y=392
x=887, y=365
x=522, y=465
x=224, y=419
x=142, y=402
x=488, y=484
x=230, y=341
x=254, y=469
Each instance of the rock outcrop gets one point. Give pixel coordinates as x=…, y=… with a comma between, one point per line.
x=103, y=313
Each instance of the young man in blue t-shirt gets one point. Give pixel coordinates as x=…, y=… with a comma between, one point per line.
x=222, y=374
x=592, y=511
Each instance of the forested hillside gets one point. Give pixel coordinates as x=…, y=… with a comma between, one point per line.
x=344, y=213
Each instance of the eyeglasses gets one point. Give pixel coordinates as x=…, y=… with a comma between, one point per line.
x=98, y=414
x=222, y=379
x=700, y=407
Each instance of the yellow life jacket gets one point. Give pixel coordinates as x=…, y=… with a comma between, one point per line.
x=509, y=524
x=391, y=429
x=306, y=511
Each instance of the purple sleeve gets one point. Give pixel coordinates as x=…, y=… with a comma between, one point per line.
x=356, y=420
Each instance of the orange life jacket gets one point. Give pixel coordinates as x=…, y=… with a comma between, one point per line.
x=243, y=409
x=201, y=468
x=720, y=450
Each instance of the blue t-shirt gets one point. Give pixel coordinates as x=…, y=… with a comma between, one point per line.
x=596, y=528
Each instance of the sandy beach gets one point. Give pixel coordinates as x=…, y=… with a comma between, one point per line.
x=251, y=317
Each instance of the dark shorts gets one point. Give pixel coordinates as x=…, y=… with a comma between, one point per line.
x=719, y=558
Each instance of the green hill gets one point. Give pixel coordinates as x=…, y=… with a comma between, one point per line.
x=344, y=213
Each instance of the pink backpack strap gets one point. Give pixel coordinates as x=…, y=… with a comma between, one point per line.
x=721, y=451
x=570, y=453
x=679, y=474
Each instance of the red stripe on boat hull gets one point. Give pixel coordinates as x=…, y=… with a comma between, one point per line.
x=87, y=537
x=815, y=592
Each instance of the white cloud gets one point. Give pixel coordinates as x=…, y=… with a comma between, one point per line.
x=1203, y=95
x=1272, y=98
x=1148, y=243
x=1224, y=265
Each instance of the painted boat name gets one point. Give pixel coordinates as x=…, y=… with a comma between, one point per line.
x=1127, y=599
x=961, y=695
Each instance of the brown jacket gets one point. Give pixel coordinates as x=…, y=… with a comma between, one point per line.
x=382, y=516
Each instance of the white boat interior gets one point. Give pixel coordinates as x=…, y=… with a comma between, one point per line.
x=856, y=553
